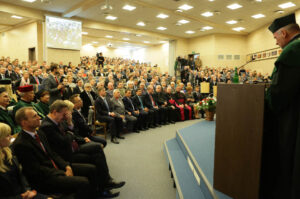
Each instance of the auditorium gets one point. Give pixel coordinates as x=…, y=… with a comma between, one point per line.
x=149, y=99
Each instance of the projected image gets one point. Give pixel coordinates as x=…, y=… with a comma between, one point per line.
x=63, y=33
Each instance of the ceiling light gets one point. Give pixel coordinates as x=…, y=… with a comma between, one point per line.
x=279, y=11
x=183, y=21
x=162, y=42
x=161, y=28
x=286, y=5
x=129, y=7
x=141, y=23
x=178, y=10
x=185, y=7
x=109, y=17
x=190, y=32
x=162, y=16
x=126, y=39
x=30, y=1
x=258, y=16
x=238, y=29
x=84, y=33
x=109, y=36
x=234, y=6
x=207, y=14
x=95, y=42
x=258, y=0
x=207, y=28
x=231, y=22
x=138, y=35
x=211, y=0
x=147, y=42
x=16, y=17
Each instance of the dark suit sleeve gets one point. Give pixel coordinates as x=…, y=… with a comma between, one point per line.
x=80, y=126
x=100, y=107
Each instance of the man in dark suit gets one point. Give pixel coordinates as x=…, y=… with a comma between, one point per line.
x=130, y=108
x=150, y=103
x=52, y=84
x=167, y=113
x=81, y=127
x=10, y=73
x=89, y=97
x=45, y=170
x=76, y=149
x=104, y=113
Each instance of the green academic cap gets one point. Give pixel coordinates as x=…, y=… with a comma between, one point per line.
x=281, y=22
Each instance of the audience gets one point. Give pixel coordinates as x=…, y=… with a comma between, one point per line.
x=64, y=157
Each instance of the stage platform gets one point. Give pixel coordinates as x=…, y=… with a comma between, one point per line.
x=190, y=156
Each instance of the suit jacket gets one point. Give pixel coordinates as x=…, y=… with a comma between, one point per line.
x=80, y=126
x=129, y=106
x=87, y=102
x=36, y=163
x=137, y=103
x=147, y=101
x=12, y=75
x=8, y=188
x=118, y=106
x=34, y=81
x=160, y=98
x=100, y=107
x=50, y=85
x=59, y=139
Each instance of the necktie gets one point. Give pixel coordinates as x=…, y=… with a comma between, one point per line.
x=106, y=104
x=37, y=81
x=56, y=79
x=153, y=103
x=37, y=138
x=131, y=103
x=141, y=102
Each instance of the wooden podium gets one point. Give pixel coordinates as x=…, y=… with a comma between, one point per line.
x=238, y=143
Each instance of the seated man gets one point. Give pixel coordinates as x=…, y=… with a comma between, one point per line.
x=27, y=97
x=46, y=171
x=138, y=103
x=119, y=109
x=150, y=103
x=134, y=111
x=76, y=149
x=5, y=117
x=81, y=127
x=104, y=113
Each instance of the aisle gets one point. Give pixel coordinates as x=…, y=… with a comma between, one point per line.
x=141, y=162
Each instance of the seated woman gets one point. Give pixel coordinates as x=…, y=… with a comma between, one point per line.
x=13, y=184
x=185, y=110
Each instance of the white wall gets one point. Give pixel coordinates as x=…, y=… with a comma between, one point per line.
x=15, y=43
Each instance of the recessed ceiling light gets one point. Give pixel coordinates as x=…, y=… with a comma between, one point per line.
x=258, y=16
x=207, y=28
x=109, y=36
x=162, y=16
x=109, y=17
x=147, y=42
x=238, y=29
x=211, y=0
x=185, y=7
x=190, y=32
x=30, y=1
x=162, y=42
x=286, y=5
x=129, y=7
x=207, y=14
x=126, y=39
x=95, y=42
x=84, y=33
x=141, y=23
x=279, y=11
x=161, y=28
x=231, y=22
x=234, y=6
x=183, y=21
x=258, y=0
x=16, y=17
x=138, y=35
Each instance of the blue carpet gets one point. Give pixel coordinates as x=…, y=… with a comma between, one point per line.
x=200, y=138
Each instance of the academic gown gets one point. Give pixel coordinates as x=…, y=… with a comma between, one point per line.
x=22, y=104
x=281, y=142
x=7, y=119
x=42, y=108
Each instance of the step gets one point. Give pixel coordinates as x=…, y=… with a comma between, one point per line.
x=186, y=183
x=198, y=143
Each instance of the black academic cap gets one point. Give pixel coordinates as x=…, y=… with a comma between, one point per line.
x=5, y=82
x=281, y=22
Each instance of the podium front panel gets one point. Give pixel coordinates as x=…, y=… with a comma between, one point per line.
x=238, y=144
